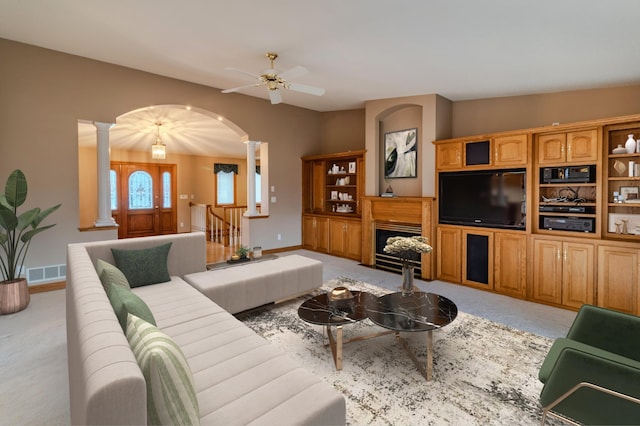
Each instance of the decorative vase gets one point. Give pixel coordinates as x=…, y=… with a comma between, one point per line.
x=630, y=145
x=14, y=296
x=407, y=278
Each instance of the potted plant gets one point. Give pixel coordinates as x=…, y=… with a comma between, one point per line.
x=16, y=232
x=242, y=252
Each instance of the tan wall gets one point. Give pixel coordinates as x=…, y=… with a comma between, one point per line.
x=521, y=112
x=44, y=93
x=342, y=131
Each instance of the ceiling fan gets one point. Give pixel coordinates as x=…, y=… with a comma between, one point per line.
x=274, y=81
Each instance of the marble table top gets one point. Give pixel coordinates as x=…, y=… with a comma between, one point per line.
x=417, y=311
x=319, y=311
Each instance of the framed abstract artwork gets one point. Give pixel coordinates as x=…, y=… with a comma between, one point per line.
x=401, y=154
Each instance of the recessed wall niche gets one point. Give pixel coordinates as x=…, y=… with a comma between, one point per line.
x=406, y=117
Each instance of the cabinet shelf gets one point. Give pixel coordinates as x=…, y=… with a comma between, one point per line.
x=342, y=201
x=565, y=214
x=568, y=203
x=342, y=186
x=625, y=205
x=616, y=156
x=564, y=185
x=621, y=178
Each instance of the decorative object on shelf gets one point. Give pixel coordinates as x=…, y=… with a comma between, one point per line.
x=632, y=165
x=630, y=145
x=406, y=248
x=625, y=226
x=335, y=169
x=401, y=154
x=16, y=232
x=619, y=150
x=257, y=252
x=618, y=229
x=352, y=167
x=633, y=222
x=619, y=167
x=388, y=192
x=628, y=193
x=334, y=195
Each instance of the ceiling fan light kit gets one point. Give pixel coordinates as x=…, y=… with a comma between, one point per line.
x=275, y=81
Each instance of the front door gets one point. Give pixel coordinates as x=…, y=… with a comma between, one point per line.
x=146, y=199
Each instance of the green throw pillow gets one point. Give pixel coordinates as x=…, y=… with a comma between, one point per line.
x=171, y=395
x=109, y=274
x=125, y=302
x=145, y=266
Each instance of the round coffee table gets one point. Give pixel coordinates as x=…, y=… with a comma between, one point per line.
x=413, y=312
x=319, y=311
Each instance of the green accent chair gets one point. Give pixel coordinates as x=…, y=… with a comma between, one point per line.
x=593, y=375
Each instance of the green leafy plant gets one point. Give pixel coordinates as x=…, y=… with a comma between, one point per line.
x=16, y=231
x=242, y=251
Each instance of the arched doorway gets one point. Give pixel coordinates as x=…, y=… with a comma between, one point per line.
x=192, y=136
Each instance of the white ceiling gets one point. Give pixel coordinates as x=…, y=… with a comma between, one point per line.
x=357, y=50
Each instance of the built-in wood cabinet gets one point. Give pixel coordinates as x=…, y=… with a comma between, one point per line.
x=481, y=258
x=448, y=254
x=345, y=238
x=618, y=278
x=570, y=147
x=315, y=233
x=510, y=263
x=449, y=156
x=510, y=151
x=563, y=272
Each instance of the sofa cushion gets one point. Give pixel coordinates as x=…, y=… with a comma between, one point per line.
x=109, y=274
x=171, y=396
x=125, y=302
x=144, y=266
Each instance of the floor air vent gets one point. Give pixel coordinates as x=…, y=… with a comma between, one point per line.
x=44, y=274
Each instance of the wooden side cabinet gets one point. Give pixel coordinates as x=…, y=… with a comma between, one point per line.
x=618, y=278
x=510, y=151
x=572, y=147
x=448, y=254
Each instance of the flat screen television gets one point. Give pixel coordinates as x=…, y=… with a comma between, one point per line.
x=489, y=198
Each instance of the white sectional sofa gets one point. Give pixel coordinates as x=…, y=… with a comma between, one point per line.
x=239, y=378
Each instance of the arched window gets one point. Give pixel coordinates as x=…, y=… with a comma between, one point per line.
x=140, y=191
x=113, y=184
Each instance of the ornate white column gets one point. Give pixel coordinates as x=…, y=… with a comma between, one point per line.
x=104, y=166
x=251, y=179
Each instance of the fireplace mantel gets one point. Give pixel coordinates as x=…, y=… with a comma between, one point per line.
x=401, y=210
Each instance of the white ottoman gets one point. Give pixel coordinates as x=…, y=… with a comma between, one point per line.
x=251, y=285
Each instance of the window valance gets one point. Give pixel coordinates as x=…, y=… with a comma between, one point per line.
x=226, y=168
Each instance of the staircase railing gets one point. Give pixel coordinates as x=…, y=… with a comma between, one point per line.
x=222, y=226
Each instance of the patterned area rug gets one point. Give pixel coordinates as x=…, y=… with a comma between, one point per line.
x=484, y=373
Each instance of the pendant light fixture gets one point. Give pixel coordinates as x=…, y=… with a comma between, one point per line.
x=158, y=149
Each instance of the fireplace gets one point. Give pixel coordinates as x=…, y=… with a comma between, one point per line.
x=390, y=262
x=384, y=217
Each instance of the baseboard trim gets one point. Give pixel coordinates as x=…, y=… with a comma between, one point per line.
x=282, y=249
x=47, y=287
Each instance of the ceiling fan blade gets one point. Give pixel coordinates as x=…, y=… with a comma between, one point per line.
x=250, y=74
x=293, y=73
x=275, y=96
x=235, y=89
x=311, y=90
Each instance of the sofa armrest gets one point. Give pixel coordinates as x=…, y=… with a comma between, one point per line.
x=607, y=329
x=588, y=405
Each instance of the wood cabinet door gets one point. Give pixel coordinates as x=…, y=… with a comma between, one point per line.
x=353, y=247
x=448, y=254
x=618, y=279
x=337, y=237
x=510, y=262
x=318, y=178
x=510, y=150
x=322, y=234
x=547, y=270
x=551, y=148
x=577, y=274
x=309, y=232
x=582, y=146
x=449, y=156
